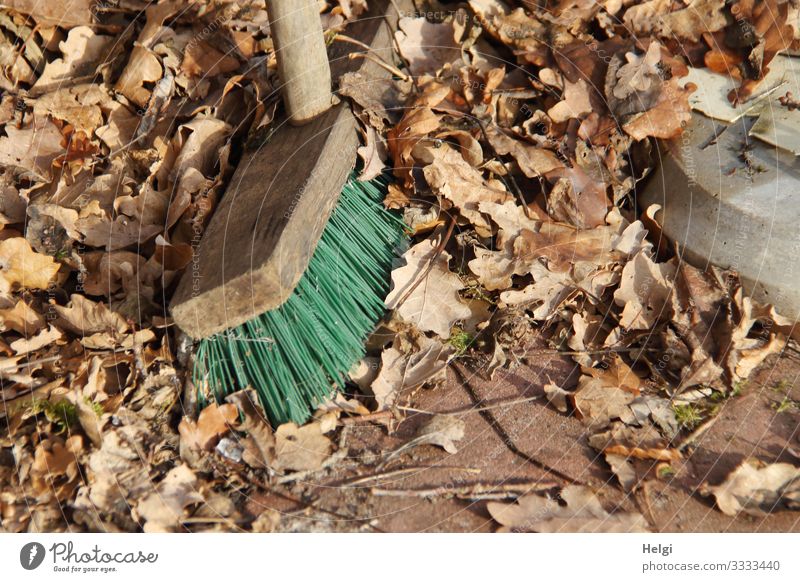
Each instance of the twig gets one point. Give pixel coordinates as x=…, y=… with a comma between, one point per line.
x=404, y=471
x=429, y=268
x=462, y=411
x=478, y=491
x=374, y=417
x=351, y=40
x=381, y=63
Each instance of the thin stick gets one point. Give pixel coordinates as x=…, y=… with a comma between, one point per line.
x=468, y=410
x=480, y=490
x=374, y=417
x=398, y=472
x=429, y=268
x=381, y=63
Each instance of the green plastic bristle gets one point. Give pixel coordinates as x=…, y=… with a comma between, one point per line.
x=298, y=355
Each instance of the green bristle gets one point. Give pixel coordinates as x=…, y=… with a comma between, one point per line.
x=298, y=355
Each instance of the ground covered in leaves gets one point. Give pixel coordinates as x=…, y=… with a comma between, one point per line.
x=549, y=363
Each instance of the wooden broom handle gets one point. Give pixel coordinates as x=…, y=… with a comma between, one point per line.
x=302, y=58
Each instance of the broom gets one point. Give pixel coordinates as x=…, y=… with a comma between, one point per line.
x=290, y=276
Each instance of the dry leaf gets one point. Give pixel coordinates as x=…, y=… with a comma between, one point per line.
x=21, y=318
x=401, y=371
x=427, y=46
x=260, y=444
x=40, y=340
x=757, y=488
x=442, y=431
x=163, y=510
x=425, y=292
x=645, y=292
x=597, y=403
x=22, y=267
x=82, y=51
x=213, y=422
x=582, y=513
x=302, y=448
x=85, y=317
x=451, y=176
x=32, y=149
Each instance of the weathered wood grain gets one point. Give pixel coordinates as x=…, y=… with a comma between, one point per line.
x=267, y=225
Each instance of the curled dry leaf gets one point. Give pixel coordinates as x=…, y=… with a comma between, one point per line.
x=35, y=342
x=452, y=177
x=214, y=421
x=259, y=446
x=85, y=317
x=757, y=488
x=402, y=369
x=582, y=513
x=643, y=442
x=416, y=124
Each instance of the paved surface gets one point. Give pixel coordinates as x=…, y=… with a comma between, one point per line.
x=532, y=443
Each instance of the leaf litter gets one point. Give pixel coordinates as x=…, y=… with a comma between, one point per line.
x=516, y=146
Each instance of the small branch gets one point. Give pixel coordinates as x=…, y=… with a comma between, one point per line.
x=463, y=411
x=432, y=261
x=381, y=63
x=405, y=471
x=478, y=491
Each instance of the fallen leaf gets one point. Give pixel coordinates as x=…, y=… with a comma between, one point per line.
x=597, y=403
x=425, y=292
x=757, y=489
x=427, y=46
x=442, y=431
x=84, y=317
x=260, y=445
x=32, y=149
x=645, y=292
x=213, y=422
x=452, y=177
x=81, y=53
x=302, y=448
x=22, y=267
x=582, y=513
x=639, y=442
x=401, y=370
x=556, y=396
x=21, y=318
x=38, y=341
x=163, y=510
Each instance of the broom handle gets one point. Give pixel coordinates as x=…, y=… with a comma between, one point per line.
x=302, y=58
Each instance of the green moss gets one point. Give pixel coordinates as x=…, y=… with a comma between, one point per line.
x=63, y=413
x=460, y=340
x=688, y=415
